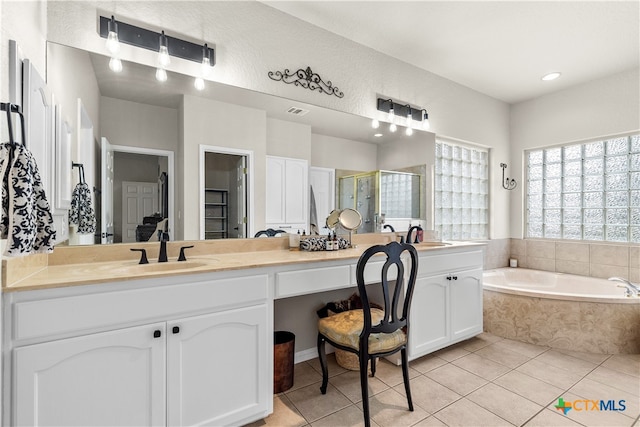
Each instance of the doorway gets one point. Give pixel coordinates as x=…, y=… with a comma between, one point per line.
x=224, y=189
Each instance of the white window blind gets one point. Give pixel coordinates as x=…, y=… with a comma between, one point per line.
x=461, y=192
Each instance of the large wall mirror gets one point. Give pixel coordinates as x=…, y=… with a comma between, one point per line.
x=147, y=122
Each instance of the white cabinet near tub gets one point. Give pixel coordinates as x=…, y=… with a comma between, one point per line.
x=446, y=307
x=287, y=193
x=85, y=358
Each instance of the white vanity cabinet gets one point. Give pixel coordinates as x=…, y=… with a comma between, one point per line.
x=287, y=193
x=82, y=357
x=447, y=301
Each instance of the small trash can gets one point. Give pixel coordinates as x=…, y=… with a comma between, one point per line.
x=283, y=351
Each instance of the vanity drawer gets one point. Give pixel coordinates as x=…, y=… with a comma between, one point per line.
x=71, y=315
x=448, y=262
x=300, y=282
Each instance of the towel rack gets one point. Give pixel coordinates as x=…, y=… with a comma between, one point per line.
x=13, y=108
x=80, y=167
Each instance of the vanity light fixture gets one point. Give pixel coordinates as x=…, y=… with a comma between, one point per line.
x=392, y=114
x=412, y=114
x=118, y=32
x=115, y=64
x=409, y=130
x=205, y=68
x=425, y=120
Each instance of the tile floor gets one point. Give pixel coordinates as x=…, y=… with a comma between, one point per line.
x=484, y=381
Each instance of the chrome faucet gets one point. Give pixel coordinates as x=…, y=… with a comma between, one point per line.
x=632, y=290
x=415, y=227
x=163, y=236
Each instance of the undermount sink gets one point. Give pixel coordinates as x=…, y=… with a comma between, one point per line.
x=162, y=266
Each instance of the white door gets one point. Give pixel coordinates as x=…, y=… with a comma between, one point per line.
x=217, y=367
x=275, y=191
x=322, y=182
x=113, y=378
x=466, y=304
x=241, y=192
x=429, y=317
x=139, y=199
x=106, y=212
x=297, y=192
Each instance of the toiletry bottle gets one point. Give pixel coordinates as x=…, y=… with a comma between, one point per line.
x=328, y=243
x=336, y=244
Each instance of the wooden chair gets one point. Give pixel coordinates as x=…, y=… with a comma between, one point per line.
x=370, y=332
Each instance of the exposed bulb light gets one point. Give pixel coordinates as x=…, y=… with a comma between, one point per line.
x=115, y=64
x=163, y=54
x=425, y=120
x=375, y=123
x=199, y=83
x=551, y=76
x=113, y=44
x=392, y=113
x=205, y=68
x=161, y=75
x=409, y=130
x=393, y=127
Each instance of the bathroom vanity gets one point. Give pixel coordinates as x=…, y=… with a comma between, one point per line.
x=190, y=343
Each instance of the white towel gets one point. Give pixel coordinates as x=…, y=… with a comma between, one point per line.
x=82, y=212
x=25, y=217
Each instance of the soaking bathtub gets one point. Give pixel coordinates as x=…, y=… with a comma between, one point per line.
x=561, y=311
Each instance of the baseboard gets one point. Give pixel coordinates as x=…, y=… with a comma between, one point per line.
x=310, y=353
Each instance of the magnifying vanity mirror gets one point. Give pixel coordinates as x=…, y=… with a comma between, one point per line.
x=153, y=127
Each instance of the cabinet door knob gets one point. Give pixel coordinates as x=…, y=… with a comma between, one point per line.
x=157, y=333
x=176, y=329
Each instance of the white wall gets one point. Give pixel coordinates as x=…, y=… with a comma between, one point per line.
x=600, y=108
x=219, y=124
x=340, y=153
x=288, y=139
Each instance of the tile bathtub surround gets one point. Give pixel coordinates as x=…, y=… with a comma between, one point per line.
x=602, y=260
x=486, y=380
x=496, y=253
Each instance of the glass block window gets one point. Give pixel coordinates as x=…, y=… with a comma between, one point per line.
x=461, y=192
x=588, y=191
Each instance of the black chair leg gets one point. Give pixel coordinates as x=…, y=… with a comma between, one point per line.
x=364, y=385
x=405, y=376
x=373, y=366
x=322, y=355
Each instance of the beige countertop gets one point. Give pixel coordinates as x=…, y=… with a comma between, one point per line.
x=70, y=266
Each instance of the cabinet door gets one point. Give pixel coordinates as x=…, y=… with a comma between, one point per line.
x=114, y=378
x=466, y=304
x=275, y=190
x=429, y=323
x=297, y=191
x=217, y=368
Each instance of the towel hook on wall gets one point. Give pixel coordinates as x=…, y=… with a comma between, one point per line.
x=507, y=184
x=80, y=167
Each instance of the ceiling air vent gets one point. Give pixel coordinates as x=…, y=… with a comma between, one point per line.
x=297, y=111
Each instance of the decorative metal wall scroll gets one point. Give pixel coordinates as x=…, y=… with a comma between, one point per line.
x=307, y=79
x=507, y=184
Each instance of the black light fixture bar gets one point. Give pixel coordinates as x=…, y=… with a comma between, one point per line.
x=147, y=39
x=400, y=110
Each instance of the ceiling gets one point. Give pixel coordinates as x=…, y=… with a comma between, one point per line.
x=499, y=48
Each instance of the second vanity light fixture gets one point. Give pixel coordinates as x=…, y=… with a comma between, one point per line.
x=117, y=32
x=410, y=115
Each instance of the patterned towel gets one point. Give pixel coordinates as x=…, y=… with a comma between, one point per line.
x=25, y=217
x=81, y=212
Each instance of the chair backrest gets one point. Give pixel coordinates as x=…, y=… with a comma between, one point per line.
x=269, y=232
x=392, y=320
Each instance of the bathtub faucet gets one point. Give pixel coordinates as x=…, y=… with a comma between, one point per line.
x=632, y=290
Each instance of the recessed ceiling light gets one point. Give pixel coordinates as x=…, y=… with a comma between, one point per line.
x=377, y=135
x=551, y=76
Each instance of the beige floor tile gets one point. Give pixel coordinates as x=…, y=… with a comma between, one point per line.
x=391, y=374
x=593, y=417
x=531, y=388
x=348, y=417
x=451, y=353
x=625, y=363
x=589, y=389
x=304, y=375
x=489, y=337
x=314, y=405
x=478, y=342
x=466, y=413
x=427, y=363
x=390, y=408
x=481, y=366
x=429, y=395
x=505, y=404
x=589, y=357
x=566, y=362
x=549, y=374
x=503, y=355
x=348, y=383
x=332, y=365
x=457, y=379
x=616, y=379
x=431, y=421
x=284, y=415
x=548, y=418
x=527, y=349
